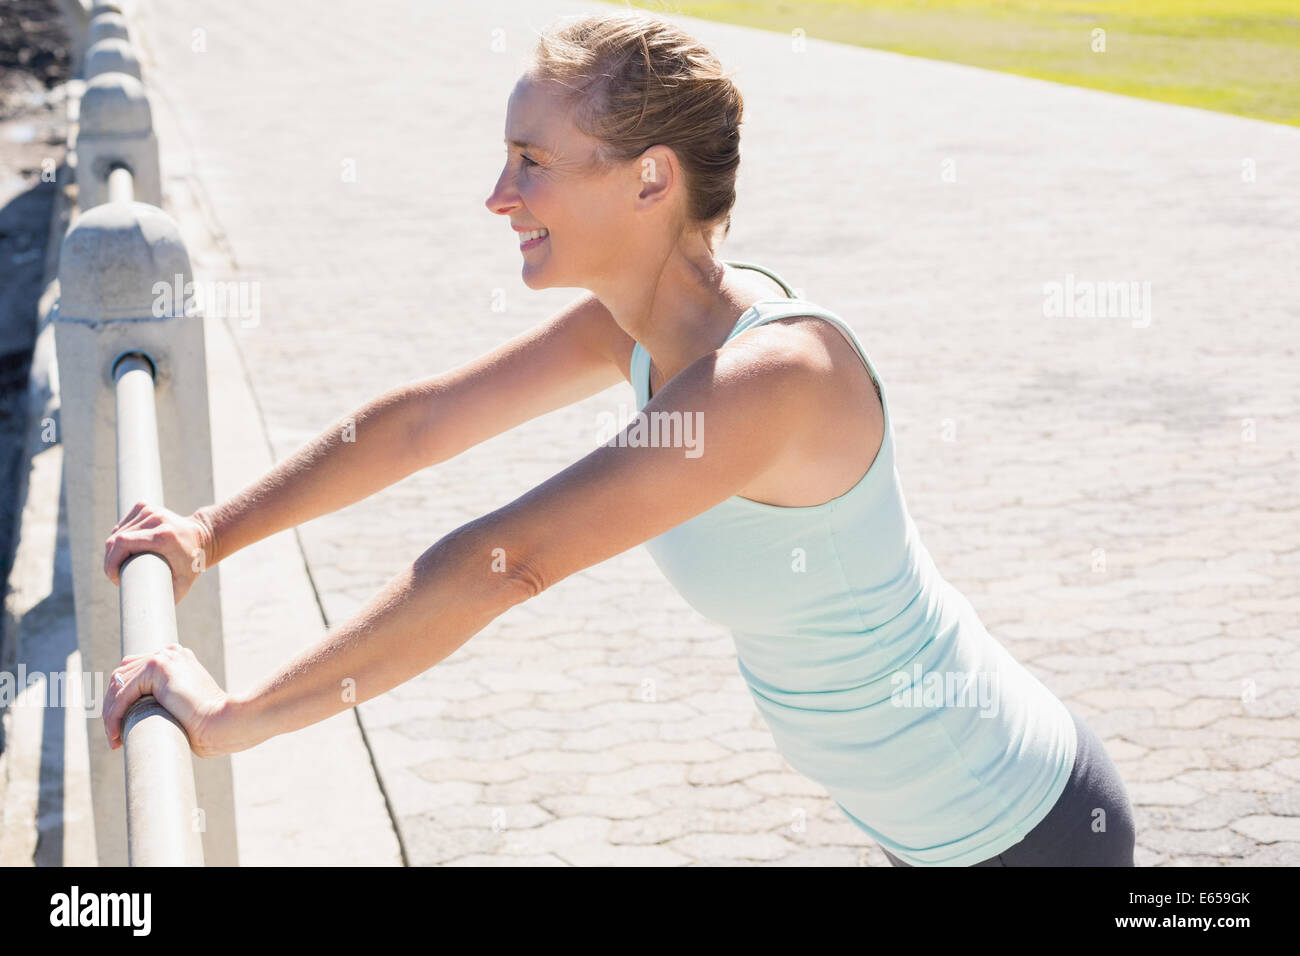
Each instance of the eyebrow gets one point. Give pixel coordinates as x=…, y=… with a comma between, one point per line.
x=522, y=144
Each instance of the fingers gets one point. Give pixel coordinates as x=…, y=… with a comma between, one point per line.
x=130, y=516
x=135, y=510
x=141, y=515
x=113, y=552
x=126, y=543
x=139, y=675
x=148, y=535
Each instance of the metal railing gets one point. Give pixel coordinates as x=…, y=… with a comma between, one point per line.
x=121, y=184
x=134, y=405
x=160, y=793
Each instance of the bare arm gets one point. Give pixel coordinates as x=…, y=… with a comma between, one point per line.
x=609, y=501
x=567, y=358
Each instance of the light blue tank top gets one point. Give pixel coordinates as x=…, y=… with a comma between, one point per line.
x=874, y=674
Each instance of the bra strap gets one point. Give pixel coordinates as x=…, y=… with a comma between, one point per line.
x=771, y=275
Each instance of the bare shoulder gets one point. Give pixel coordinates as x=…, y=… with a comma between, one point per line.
x=811, y=343
x=826, y=381
x=815, y=369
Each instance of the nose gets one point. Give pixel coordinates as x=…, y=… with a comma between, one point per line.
x=503, y=198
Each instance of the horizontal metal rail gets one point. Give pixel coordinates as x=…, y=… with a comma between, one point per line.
x=164, y=825
x=121, y=185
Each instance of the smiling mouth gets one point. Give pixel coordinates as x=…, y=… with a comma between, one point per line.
x=532, y=237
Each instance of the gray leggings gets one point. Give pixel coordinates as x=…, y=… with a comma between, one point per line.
x=1065, y=837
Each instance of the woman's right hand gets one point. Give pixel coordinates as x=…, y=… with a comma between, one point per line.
x=185, y=543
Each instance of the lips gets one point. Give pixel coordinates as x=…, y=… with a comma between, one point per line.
x=532, y=238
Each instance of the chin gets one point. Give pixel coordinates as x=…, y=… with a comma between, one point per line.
x=541, y=275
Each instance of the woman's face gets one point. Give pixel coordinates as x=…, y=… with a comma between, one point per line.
x=552, y=182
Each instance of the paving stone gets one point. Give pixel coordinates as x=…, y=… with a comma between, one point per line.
x=1121, y=722
x=495, y=818
x=785, y=783
x=718, y=846
x=1269, y=829
x=555, y=837
x=605, y=854
x=1216, y=843
x=438, y=728
x=1201, y=861
x=486, y=705
x=615, y=807
x=685, y=751
x=664, y=825
x=604, y=738
x=1264, y=780
x=732, y=796
x=1157, y=699
x=738, y=767
x=560, y=761
x=702, y=727
x=1283, y=727
x=502, y=859
x=408, y=789
x=1274, y=854
x=638, y=779
x=513, y=744
x=1165, y=793
x=1284, y=804
x=1122, y=751
x=533, y=788
x=1201, y=712
x=435, y=843
x=582, y=699
x=822, y=856
x=471, y=771
x=1216, y=812
x=1144, y=857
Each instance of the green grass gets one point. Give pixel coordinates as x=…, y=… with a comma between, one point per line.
x=1233, y=56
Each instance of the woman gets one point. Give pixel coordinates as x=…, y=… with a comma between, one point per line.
x=782, y=517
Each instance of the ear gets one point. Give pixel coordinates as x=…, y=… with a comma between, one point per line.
x=657, y=168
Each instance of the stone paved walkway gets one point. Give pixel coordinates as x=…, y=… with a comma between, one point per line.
x=1117, y=497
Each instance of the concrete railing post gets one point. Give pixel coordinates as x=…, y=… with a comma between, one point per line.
x=116, y=129
x=111, y=55
x=79, y=17
x=123, y=271
x=107, y=25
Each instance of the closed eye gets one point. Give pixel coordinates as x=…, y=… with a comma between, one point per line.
x=527, y=160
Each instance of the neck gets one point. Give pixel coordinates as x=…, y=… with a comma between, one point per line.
x=679, y=312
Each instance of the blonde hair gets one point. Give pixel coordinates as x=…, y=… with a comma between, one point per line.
x=637, y=80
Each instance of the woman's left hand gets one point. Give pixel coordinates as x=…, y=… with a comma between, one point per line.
x=185, y=689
